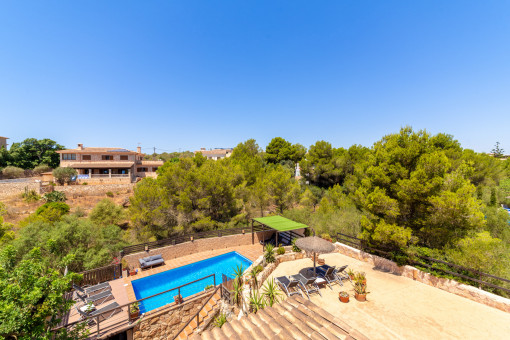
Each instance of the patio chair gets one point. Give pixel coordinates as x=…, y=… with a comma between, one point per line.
x=308, y=285
x=96, y=299
x=104, y=313
x=102, y=287
x=290, y=287
x=328, y=273
x=342, y=275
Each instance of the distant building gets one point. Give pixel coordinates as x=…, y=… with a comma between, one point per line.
x=3, y=142
x=215, y=154
x=103, y=163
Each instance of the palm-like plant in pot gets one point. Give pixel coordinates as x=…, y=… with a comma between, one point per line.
x=360, y=291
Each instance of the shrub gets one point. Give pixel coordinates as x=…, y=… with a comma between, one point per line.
x=59, y=206
x=269, y=253
x=30, y=195
x=40, y=169
x=106, y=213
x=294, y=247
x=55, y=196
x=13, y=172
x=52, y=212
x=79, y=212
x=220, y=320
x=280, y=250
x=109, y=194
x=326, y=237
x=64, y=175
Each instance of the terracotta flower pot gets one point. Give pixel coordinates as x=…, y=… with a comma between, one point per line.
x=344, y=299
x=360, y=297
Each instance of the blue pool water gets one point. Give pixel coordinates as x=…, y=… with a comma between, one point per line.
x=157, y=283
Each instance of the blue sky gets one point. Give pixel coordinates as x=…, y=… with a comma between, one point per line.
x=191, y=74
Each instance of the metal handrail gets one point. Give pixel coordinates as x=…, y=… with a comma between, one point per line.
x=130, y=303
x=197, y=314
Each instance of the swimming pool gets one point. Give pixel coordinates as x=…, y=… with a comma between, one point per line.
x=157, y=283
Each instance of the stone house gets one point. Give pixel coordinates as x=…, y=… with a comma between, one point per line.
x=108, y=163
x=3, y=142
x=215, y=154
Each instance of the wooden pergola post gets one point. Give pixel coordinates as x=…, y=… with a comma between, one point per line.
x=252, y=234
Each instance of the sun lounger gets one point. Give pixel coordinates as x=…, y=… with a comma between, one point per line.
x=308, y=285
x=96, y=299
x=104, y=313
x=342, y=275
x=328, y=273
x=290, y=287
x=102, y=287
x=151, y=261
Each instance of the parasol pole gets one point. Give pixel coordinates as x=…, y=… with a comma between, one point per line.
x=314, y=270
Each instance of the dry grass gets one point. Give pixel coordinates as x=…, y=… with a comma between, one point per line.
x=18, y=209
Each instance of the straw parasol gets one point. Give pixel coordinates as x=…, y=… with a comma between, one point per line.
x=316, y=245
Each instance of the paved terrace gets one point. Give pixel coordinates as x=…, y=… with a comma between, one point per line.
x=123, y=293
x=400, y=308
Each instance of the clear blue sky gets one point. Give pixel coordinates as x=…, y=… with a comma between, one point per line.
x=186, y=74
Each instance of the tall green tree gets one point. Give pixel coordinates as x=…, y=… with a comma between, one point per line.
x=32, y=152
x=413, y=190
x=32, y=297
x=282, y=188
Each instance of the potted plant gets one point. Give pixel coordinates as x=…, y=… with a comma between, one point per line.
x=343, y=296
x=351, y=273
x=361, y=278
x=360, y=291
x=178, y=299
x=134, y=311
x=125, y=267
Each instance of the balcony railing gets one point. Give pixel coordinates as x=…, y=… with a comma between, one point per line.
x=87, y=176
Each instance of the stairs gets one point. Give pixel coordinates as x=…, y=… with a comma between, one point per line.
x=207, y=312
x=294, y=318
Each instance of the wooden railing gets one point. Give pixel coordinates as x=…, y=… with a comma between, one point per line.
x=189, y=237
x=100, y=275
x=473, y=276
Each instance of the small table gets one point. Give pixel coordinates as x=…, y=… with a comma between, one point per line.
x=321, y=282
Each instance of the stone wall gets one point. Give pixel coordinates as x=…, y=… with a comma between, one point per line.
x=13, y=189
x=87, y=190
x=196, y=246
x=448, y=285
x=166, y=323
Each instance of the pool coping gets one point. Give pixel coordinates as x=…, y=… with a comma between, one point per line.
x=178, y=262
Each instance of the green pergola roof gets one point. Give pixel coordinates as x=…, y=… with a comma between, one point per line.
x=280, y=223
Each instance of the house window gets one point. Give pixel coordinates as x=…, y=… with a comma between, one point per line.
x=142, y=169
x=69, y=156
x=86, y=157
x=124, y=158
x=107, y=157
